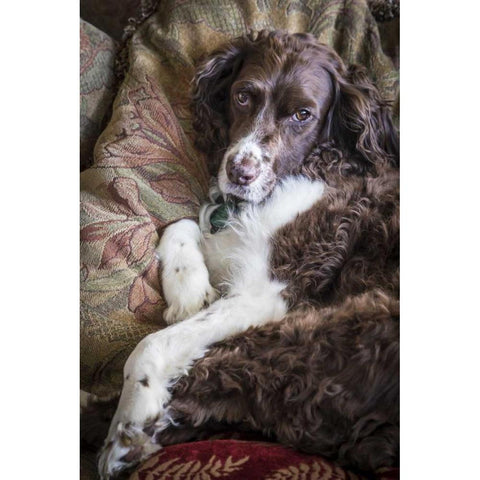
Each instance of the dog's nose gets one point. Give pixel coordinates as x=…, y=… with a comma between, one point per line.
x=243, y=172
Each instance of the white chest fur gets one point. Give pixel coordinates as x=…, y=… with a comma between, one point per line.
x=238, y=256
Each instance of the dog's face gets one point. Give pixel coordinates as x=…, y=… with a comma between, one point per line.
x=277, y=107
x=263, y=103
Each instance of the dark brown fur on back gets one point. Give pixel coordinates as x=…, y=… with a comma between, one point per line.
x=347, y=244
x=322, y=381
x=325, y=380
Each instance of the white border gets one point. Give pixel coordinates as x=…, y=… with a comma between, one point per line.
x=39, y=240
x=439, y=240
x=440, y=259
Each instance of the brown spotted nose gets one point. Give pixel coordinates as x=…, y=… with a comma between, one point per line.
x=242, y=172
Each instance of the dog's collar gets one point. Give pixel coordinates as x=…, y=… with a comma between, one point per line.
x=214, y=215
x=219, y=217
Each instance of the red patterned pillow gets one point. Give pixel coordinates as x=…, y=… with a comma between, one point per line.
x=242, y=460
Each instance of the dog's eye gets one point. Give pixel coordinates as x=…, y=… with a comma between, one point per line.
x=301, y=115
x=242, y=98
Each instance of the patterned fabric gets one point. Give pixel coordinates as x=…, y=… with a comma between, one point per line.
x=97, y=55
x=111, y=16
x=237, y=460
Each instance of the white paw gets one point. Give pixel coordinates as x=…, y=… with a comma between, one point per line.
x=141, y=412
x=127, y=446
x=185, y=278
x=198, y=294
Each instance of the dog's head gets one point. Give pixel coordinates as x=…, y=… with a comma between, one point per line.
x=264, y=102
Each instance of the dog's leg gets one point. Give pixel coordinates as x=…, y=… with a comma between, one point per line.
x=185, y=280
x=162, y=357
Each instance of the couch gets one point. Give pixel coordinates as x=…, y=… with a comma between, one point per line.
x=140, y=172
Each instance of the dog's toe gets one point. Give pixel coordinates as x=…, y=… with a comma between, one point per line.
x=189, y=306
x=127, y=447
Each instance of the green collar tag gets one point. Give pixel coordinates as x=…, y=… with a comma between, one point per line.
x=220, y=216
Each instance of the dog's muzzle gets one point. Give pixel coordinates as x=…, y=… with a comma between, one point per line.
x=242, y=171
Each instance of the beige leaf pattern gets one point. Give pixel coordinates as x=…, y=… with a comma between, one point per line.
x=174, y=469
x=314, y=471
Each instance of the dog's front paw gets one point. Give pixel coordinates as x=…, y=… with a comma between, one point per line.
x=142, y=408
x=194, y=294
x=185, y=280
x=125, y=448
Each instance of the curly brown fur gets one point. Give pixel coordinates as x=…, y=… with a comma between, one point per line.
x=348, y=243
x=325, y=380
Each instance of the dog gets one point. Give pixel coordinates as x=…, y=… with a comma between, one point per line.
x=305, y=155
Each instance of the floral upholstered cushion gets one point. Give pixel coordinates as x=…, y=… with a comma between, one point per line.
x=97, y=56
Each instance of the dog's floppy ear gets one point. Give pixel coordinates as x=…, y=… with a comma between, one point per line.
x=360, y=120
x=210, y=97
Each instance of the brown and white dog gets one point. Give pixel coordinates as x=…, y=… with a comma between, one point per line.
x=309, y=149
